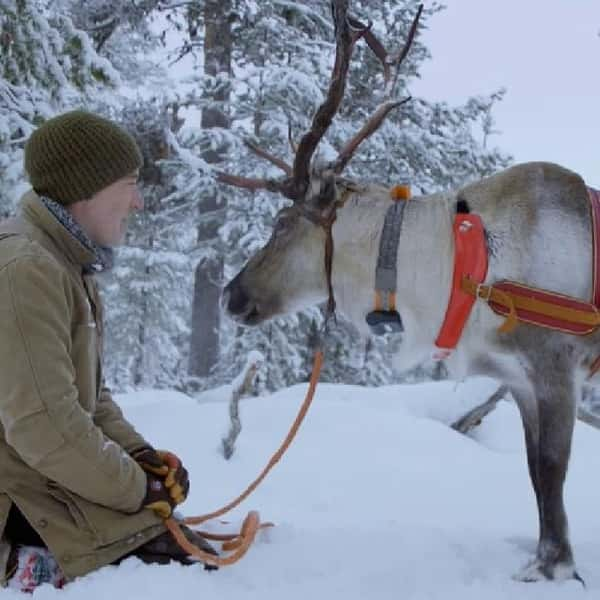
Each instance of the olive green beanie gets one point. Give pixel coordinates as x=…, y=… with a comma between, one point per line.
x=73, y=156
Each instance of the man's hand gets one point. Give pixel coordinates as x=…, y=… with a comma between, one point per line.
x=158, y=497
x=149, y=459
x=177, y=480
x=166, y=465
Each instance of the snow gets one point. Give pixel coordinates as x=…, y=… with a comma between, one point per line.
x=377, y=497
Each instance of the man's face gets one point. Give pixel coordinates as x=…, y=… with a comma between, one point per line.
x=105, y=215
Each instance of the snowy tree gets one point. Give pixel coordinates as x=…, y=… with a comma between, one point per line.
x=204, y=341
x=128, y=35
x=148, y=291
x=47, y=65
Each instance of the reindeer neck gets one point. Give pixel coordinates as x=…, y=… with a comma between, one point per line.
x=356, y=234
x=424, y=259
x=425, y=267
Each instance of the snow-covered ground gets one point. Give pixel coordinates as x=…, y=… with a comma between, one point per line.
x=377, y=498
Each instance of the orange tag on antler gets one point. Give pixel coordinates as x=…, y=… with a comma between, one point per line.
x=400, y=192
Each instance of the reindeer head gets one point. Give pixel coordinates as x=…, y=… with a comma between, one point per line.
x=288, y=274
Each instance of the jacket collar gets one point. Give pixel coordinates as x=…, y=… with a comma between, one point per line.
x=35, y=213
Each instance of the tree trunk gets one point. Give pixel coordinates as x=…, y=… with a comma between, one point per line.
x=204, y=345
x=154, y=145
x=139, y=368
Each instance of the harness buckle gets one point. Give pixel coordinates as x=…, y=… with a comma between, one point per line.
x=484, y=296
x=384, y=321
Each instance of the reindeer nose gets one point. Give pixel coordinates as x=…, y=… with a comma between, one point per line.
x=234, y=300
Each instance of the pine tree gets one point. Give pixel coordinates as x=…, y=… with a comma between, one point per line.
x=148, y=291
x=128, y=35
x=204, y=341
x=47, y=65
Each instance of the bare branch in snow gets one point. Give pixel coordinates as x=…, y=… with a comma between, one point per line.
x=240, y=388
x=474, y=417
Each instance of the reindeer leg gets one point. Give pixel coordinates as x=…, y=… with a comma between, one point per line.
x=521, y=389
x=528, y=408
x=548, y=458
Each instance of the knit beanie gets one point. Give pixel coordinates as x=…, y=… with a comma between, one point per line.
x=73, y=156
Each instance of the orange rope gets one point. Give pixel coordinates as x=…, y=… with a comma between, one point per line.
x=246, y=536
x=239, y=543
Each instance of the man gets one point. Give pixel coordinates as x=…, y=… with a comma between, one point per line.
x=79, y=486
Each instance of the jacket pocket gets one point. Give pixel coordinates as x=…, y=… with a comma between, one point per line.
x=73, y=506
x=103, y=525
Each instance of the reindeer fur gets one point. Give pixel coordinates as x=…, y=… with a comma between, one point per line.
x=538, y=229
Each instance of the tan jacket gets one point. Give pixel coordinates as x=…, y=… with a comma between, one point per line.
x=64, y=443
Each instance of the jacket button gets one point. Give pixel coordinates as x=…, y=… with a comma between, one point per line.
x=43, y=523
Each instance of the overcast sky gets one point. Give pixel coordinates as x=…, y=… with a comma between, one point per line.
x=546, y=53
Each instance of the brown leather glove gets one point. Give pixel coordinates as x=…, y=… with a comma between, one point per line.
x=158, y=497
x=166, y=465
x=149, y=459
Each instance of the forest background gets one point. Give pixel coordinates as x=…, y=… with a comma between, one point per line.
x=192, y=80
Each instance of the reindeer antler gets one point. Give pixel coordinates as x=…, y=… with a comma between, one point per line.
x=251, y=183
x=348, y=31
x=272, y=159
x=346, y=37
x=391, y=69
x=370, y=127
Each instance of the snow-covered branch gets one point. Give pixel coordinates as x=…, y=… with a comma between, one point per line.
x=240, y=387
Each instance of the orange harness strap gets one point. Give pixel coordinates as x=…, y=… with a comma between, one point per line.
x=537, y=307
x=470, y=261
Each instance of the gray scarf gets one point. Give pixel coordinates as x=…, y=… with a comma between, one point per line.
x=104, y=256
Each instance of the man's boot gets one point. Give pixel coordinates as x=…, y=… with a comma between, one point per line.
x=164, y=548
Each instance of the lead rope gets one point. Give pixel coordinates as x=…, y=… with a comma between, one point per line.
x=239, y=543
x=328, y=226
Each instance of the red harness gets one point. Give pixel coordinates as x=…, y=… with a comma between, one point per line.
x=595, y=210
x=471, y=261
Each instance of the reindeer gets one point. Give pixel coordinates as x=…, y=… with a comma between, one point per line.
x=537, y=229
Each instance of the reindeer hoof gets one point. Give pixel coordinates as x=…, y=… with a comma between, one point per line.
x=538, y=570
x=531, y=572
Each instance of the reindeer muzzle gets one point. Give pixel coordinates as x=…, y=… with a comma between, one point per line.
x=238, y=304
